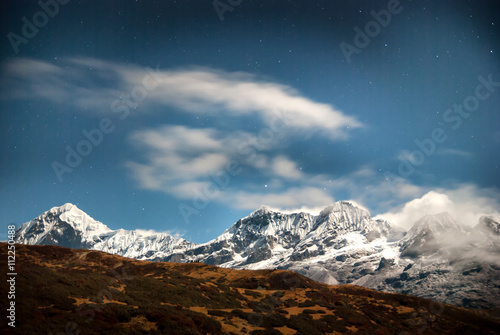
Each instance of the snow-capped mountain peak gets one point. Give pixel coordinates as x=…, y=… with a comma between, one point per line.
x=434, y=225
x=261, y=211
x=342, y=207
x=80, y=220
x=425, y=233
x=68, y=226
x=344, y=215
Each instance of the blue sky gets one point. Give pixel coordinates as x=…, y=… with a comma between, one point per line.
x=179, y=121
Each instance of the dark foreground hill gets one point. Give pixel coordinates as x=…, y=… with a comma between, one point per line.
x=68, y=291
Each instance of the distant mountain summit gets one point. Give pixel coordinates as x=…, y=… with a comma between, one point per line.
x=68, y=226
x=437, y=258
x=425, y=235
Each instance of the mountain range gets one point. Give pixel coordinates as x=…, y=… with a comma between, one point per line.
x=438, y=258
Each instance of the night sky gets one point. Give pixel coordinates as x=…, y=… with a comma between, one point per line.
x=184, y=116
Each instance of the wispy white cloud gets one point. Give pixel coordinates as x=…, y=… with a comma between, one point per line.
x=80, y=85
x=183, y=161
x=284, y=167
x=178, y=159
x=92, y=84
x=150, y=232
x=456, y=152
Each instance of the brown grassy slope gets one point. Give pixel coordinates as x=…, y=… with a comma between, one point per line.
x=67, y=291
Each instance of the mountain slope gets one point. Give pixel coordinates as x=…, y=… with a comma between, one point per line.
x=90, y=292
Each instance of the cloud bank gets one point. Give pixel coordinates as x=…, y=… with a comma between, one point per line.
x=465, y=202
